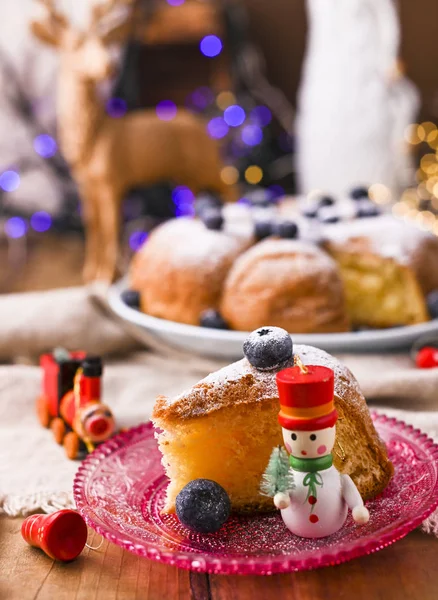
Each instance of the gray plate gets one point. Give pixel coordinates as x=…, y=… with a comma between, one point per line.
x=228, y=344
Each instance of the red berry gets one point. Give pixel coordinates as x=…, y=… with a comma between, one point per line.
x=313, y=519
x=427, y=358
x=312, y=500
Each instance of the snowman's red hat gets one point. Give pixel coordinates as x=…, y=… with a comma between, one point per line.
x=306, y=398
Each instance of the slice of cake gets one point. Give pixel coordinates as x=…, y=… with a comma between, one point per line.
x=387, y=267
x=225, y=427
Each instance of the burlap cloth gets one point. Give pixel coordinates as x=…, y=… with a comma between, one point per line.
x=34, y=472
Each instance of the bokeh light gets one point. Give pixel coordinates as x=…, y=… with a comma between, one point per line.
x=166, y=110
x=202, y=97
x=225, y=99
x=230, y=175
x=217, y=128
x=234, y=115
x=175, y=2
x=137, y=239
x=379, y=193
x=251, y=135
x=15, y=227
x=253, y=174
x=277, y=190
x=261, y=115
x=9, y=181
x=211, y=46
x=116, y=107
x=182, y=195
x=45, y=145
x=41, y=221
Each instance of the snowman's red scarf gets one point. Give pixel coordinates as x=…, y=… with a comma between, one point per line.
x=311, y=466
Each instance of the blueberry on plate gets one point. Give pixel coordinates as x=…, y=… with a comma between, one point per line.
x=287, y=230
x=328, y=214
x=213, y=218
x=326, y=201
x=205, y=201
x=359, y=193
x=365, y=209
x=212, y=318
x=262, y=229
x=203, y=506
x=131, y=298
x=310, y=210
x=260, y=198
x=432, y=304
x=268, y=348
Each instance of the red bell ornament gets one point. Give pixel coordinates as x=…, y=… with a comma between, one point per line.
x=61, y=535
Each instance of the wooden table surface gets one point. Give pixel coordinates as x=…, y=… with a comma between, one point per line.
x=404, y=571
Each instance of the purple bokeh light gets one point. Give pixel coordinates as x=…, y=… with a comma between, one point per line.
x=41, y=221
x=184, y=200
x=217, y=128
x=185, y=210
x=202, y=97
x=15, y=227
x=251, y=135
x=182, y=195
x=9, y=181
x=211, y=46
x=234, y=115
x=137, y=239
x=45, y=145
x=261, y=115
x=166, y=110
x=175, y=2
x=116, y=107
x=277, y=190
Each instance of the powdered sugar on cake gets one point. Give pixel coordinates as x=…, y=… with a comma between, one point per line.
x=387, y=236
x=198, y=245
x=299, y=256
x=219, y=389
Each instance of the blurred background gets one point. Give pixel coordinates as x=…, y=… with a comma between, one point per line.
x=240, y=66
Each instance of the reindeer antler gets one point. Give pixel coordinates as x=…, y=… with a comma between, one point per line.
x=111, y=19
x=49, y=24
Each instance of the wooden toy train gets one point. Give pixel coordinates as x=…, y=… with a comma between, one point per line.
x=70, y=403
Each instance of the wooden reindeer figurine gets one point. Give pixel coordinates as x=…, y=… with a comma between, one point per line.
x=109, y=156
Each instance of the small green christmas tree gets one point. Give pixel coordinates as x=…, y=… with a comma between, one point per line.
x=278, y=476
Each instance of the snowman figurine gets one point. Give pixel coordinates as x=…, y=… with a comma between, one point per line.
x=317, y=505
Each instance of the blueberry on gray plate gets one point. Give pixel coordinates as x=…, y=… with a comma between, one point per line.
x=328, y=214
x=359, y=193
x=131, y=298
x=212, y=318
x=366, y=209
x=287, y=230
x=262, y=229
x=213, y=218
x=205, y=201
x=203, y=506
x=268, y=348
x=432, y=304
x=310, y=209
x=326, y=201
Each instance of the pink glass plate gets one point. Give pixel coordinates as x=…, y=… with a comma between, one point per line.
x=119, y=490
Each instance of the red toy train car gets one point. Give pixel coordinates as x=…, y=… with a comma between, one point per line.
x=70, y=403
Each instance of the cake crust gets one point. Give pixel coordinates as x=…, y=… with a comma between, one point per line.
x=287, y=283
x=180, y=271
